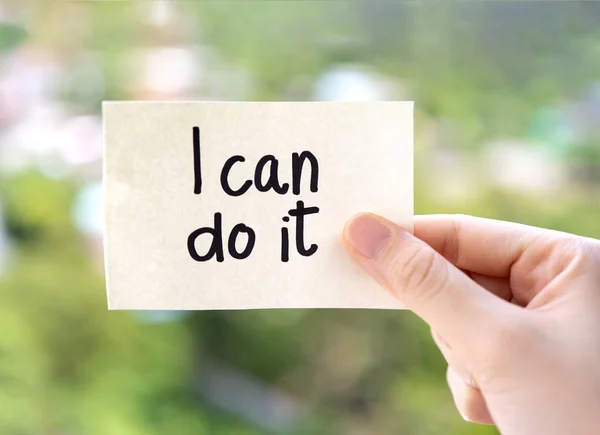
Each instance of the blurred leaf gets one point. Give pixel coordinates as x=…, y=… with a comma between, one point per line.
x=11, y=35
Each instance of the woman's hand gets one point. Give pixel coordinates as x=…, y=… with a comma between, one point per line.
x=514, y=309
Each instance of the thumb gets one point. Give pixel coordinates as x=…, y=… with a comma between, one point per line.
x=453, y=305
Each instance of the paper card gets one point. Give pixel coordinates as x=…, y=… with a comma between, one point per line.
x=212, y=205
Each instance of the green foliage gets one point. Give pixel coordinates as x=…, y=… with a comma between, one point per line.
x=67, y=365
x=11, y=36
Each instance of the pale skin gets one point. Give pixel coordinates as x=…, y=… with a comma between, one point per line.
x=515, y=310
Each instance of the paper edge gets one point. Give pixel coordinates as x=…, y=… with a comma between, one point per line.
x=105, y=208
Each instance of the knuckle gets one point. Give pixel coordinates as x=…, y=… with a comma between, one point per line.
x=417, y=273
x=594, y=251
x=587, y=255
x=575, y=256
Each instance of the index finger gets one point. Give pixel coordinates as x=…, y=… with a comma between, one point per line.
x=484, y=246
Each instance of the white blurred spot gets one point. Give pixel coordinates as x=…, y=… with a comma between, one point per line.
x=160, y=316
x=87, y=210
x=34, y=140
x=79, y=140
x=161, y=12
x=523, y=166
x=451, y=176
x=169, y=70
x=350, y=83
x=28, y=79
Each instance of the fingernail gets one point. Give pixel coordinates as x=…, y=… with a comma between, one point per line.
x=368, y=235
x=465, y=417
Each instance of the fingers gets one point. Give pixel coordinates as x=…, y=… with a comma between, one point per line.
x=453, y=361
x=468, y=400
x=529, y=257
x=484, y=246
x=467, y=396
x=453, y=304
x=498, y=286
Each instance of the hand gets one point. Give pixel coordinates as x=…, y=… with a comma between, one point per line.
x=514, y=309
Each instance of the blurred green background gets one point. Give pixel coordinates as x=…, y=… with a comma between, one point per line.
x=507, y=126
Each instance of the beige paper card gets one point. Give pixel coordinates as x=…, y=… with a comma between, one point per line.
x=214, y=205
